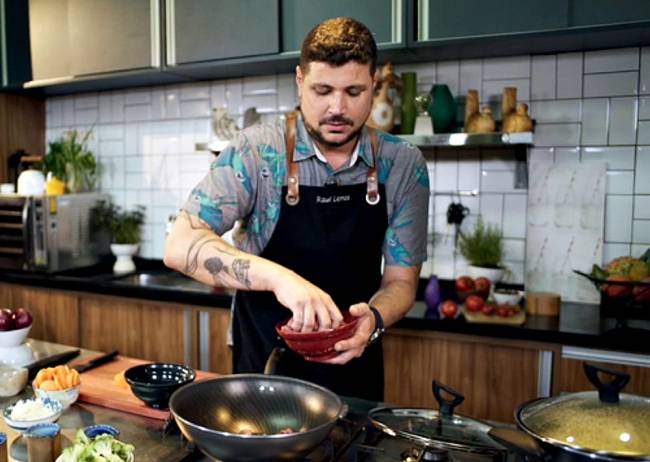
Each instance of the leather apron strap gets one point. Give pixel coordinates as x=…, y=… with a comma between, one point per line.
x=293, y=181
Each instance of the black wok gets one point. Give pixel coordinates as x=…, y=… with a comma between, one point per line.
x=215, y=414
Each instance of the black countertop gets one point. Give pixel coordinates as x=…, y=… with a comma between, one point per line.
x=578, y=324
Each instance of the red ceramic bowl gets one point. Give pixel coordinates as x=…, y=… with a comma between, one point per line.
x=318, y=345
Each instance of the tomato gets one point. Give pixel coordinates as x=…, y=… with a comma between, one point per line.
x=642, y=293
x=489, y=309
x=482, y=286
x=474, y=303
x=464, y=284
x=448, y=309
x=618, y=290
x=503, y=311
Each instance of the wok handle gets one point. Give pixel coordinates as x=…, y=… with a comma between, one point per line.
x=521, y=443
x=608, y=392
x=273, y=360
x=446, y=406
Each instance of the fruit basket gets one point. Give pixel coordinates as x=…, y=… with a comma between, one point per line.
x=621, y=298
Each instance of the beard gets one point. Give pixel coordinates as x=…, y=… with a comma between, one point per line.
x=320, y=138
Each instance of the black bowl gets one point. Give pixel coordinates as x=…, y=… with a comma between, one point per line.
x=155, y=383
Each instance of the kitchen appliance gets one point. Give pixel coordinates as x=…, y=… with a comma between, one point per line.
x=50, y=233
x=31, y=183
x=586, y=426
x=354, y=439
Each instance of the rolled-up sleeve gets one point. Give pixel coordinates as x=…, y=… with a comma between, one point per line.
x=227, y=192
x=405, y=243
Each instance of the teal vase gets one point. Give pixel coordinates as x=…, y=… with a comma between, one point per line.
x=442, y=108
x=408, y=112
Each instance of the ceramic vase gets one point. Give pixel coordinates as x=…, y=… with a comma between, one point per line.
x=442, y=108
x=493, y=274
x=124, y=257
x=408, y=111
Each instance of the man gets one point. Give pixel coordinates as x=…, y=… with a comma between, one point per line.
x=320, y=200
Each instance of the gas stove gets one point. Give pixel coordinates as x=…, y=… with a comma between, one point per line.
x=360, y=441
x=354, y=439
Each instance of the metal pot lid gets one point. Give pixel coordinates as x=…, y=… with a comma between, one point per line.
x=582, y=421
x=430, y=428
x=605, y=422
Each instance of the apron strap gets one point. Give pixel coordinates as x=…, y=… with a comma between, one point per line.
x=293, y=183
x=292, y=197
x=372, y=185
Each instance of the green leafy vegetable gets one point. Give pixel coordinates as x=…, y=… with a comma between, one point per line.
x=103, y=448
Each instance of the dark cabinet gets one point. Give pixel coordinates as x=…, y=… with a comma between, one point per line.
x=15, y=64
x=86, y=37
x=459, y=19
x=209, y=30
x=584, y=13
x=383, y=17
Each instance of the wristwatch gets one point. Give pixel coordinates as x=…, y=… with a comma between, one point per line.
x=379, y=326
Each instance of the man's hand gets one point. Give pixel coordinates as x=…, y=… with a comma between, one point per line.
x=310, y=306
x=354, y=346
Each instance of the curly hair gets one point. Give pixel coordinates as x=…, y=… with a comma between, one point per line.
x=336, y=42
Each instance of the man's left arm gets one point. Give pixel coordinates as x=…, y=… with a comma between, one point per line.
x=393, y=299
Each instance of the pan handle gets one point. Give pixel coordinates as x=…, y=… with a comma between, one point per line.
x=521, y=443
x=273, y=360
x=607, y=391
x=446, y=406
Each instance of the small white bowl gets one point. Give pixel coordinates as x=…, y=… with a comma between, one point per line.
x=507, y=298
x=12, y=338
x=12, y=380
x=17, y=356
x=66, y=397
x=22, y=425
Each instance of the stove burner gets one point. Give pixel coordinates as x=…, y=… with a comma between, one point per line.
x=415, y=454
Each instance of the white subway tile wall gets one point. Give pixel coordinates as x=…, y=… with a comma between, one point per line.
x=587, y=106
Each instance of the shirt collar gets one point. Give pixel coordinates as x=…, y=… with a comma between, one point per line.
x=306, y=148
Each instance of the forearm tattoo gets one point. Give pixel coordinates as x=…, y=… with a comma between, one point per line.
x=238, y=270
x=192, y=258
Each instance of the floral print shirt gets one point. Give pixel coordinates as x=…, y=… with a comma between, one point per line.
x=245, y=183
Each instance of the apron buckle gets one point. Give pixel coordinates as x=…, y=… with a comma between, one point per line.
x=291, y=199
x=374, y=199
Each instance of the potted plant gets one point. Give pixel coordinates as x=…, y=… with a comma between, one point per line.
x=483, y=249
x=124, y=228
x=68, y=161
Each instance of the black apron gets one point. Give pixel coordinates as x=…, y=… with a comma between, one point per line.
x=333, y=237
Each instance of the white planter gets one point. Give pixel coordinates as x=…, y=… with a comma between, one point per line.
x=493, y=274
x=124, y=254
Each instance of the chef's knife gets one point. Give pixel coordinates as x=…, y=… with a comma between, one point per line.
x=50, y=361
x=103, y=359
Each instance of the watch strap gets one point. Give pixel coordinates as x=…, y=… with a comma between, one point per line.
x=379, y=326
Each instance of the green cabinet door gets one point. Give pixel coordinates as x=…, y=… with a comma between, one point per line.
x=15, y=65
x=383, y=17
x=72, y=38
x=584, y=13
x=456, y=19
x=210, y=30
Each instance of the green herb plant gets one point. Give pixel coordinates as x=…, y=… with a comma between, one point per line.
x=124, y=226
x=70, y=161
x=483, y=246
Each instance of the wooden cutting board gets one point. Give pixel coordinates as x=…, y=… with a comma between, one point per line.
x=98, y=387
x=516, y=320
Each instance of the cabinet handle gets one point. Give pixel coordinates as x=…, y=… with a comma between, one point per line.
x=604, y=356
x=154, y=27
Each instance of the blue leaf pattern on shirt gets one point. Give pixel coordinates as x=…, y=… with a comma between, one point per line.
x=396, y=249
x=230, y=158
x=390, y=138
x=422, y=176
x=385, y=166
x=210, y=210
